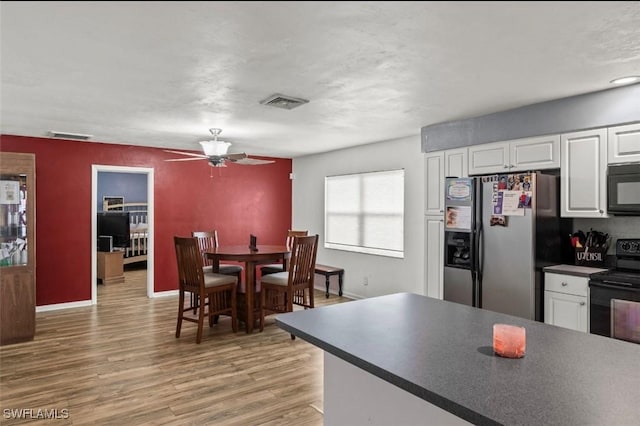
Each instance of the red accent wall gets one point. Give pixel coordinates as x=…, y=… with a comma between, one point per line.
x=237, y=200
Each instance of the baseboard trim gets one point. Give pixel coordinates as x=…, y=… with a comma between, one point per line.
x=67, y=305
x=85, y=303
x=165, y=293
x=323, y=289
x=351, y=295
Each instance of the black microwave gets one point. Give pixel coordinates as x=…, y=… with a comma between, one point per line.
x=623, y=189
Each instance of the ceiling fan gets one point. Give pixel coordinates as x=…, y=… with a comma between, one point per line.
x=216, y=152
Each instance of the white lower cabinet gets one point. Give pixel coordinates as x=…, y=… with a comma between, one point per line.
x=566, y=301
x=565, y=310
x=434, y=253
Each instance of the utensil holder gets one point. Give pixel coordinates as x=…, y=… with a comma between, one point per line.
x=590, y=256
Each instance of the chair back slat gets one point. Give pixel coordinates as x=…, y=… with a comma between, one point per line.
x=207, y=240
x=291, y=234
x=190, y=273
x=303, y=261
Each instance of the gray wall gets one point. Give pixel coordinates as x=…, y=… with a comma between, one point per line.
x=385, y=274
x=592, y=110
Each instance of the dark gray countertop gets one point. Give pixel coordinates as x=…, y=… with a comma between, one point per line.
x=442, y=352
x=578, y=271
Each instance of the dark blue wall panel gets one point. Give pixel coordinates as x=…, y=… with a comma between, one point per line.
x=131, y=186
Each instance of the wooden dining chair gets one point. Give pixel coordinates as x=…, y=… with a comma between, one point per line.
x=278, y=290
x=278, y=267
x=300, y=297
x=217, y=291
x=208, y=240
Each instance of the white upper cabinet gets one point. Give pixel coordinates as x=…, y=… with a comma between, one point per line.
x=489, y=158
x=537, y=153
x=437, y=166
x=583, y=170
x=456, y=163
x=434, y=185
x=624, y=144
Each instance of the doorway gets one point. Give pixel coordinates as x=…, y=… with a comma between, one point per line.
x=95, y=169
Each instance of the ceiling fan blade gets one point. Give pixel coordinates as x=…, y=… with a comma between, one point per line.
x=253, y=162
x=190, y=154
x=187, y=159
x=235, y=157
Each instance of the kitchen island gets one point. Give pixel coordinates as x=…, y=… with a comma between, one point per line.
x=411, y=359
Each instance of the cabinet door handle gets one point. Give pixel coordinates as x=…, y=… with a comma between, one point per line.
x=506, y=167
x=601, y=211
x=441, y=211
x=512, y=166
x=564, y=284
x=582, y=303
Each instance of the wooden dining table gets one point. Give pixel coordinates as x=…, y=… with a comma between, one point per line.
x=251, y=258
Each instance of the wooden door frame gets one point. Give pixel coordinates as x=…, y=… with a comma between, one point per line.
x=95, y=168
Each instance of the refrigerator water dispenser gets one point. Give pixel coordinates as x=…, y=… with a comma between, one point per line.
x=458, y=250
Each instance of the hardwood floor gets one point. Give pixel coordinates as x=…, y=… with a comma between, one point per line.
x=118, y=362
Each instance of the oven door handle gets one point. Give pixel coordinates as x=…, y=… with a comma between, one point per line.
x=611, y=284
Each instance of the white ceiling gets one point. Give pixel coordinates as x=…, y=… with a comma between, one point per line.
x=162, y=73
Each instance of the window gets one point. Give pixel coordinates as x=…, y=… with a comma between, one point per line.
x=364, y=212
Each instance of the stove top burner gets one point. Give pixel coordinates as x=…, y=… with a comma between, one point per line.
x=628, y=247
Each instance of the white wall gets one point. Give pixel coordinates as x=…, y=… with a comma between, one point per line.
x=385, y=275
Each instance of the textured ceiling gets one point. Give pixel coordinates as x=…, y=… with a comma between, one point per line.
x=162, y=73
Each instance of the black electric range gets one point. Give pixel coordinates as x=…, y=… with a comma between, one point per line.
x=627, y=270
x=615, y=287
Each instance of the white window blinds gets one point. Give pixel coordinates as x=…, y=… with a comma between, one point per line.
x=364, y=212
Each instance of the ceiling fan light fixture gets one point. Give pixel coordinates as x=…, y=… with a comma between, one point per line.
x=215, y=147
x=216, y=152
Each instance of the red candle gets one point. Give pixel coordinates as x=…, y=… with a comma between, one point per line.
x=509, y=340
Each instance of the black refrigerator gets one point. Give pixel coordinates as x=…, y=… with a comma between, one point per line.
x=500, y=231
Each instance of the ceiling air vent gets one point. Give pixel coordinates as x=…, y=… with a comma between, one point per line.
x=284, y=102
x=67, y=135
